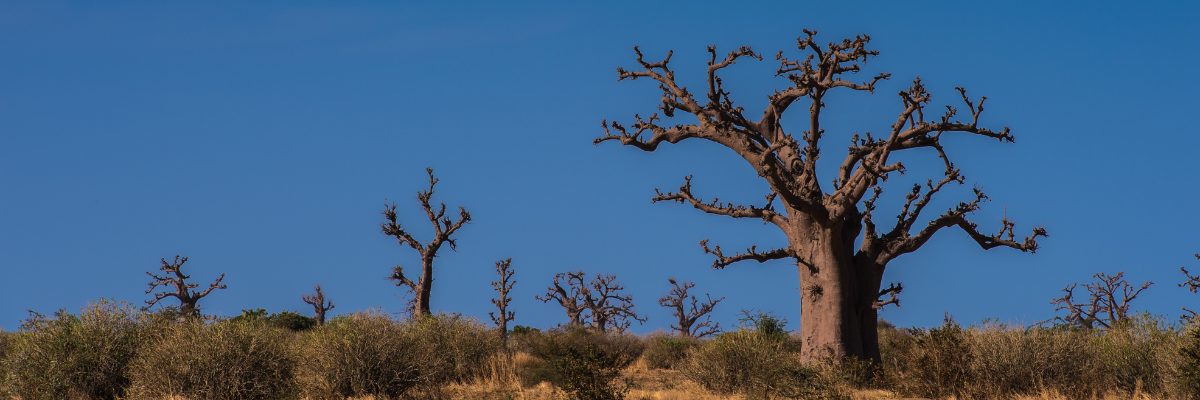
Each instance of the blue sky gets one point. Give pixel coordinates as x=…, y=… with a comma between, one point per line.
x=261, y=140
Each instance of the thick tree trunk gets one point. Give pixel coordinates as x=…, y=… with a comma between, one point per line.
x=837, y=315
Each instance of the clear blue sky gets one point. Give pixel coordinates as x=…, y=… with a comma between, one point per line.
x=261, y=140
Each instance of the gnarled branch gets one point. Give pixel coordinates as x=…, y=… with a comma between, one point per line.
x=750, y=254
x=689, y=319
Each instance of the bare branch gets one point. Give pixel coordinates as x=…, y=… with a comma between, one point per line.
x=891, y=291
x=750, y=254
x=570, y=298
x=684, y=195
x=1192, y=284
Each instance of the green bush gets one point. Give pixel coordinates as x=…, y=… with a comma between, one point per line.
x=667, y=351
x=285, y=319
x=363, y=354
x=216, y=361
x=66, y=356
x=1189, y=367
x=755, y=363
x=581, y=362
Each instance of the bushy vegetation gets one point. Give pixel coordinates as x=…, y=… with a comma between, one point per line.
x=228, y=360
x=285, y=319
x=584, y=363
x=68, y=355
x=111, y=350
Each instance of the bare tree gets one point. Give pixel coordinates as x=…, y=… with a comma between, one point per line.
x=609, y=308
x=842, y=286
x=600, y=298
x=570, y=297
x=689, y=320
x=1193, y=284
x=182, y=289
x=320, y=306
x=1107, y=306
x=443, y=227
x=503, y=286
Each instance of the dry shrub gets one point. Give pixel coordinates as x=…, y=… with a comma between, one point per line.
x=583, y=363
x=216, y=361
x=362, y=354
x=998, y=361
x=667, y=351
x=72, y=356
x=754, y=363
x=463, y=347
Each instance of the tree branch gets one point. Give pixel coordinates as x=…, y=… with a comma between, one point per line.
x=750, y=254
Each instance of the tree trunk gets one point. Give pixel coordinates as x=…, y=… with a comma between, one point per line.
x=424, y=287
x=837, y=297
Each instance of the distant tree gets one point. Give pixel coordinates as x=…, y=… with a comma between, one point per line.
x=320, y=306
x=1107, y=305
x=823, y=224
x=503, y=286
x=1193, y=284
x=188, y=298
x=689, y=324
x=570, y=297
x=443, y=227
x=601, y=298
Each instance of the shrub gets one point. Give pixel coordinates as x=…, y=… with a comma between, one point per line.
x=1138, y=354
x=285, y=319
x=751, y=362
x=463, y=347
x=583, y=363
x=67, y=355
x=1189, y=367
x=935, y=363
x=362, y=354
x=667, y=351
x=216, y=361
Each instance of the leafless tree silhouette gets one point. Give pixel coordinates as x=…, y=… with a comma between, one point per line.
x=1192, y=284
x=689, y=320
x=1107, y=306
x=503, y=286
x=821, y=224
x=182, y=289
x=443, y=227
x=601, y=298
x=320, y=306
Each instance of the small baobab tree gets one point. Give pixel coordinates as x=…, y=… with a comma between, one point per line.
x=320, y=305
x=443, y=228
x=689, y=319
x=503, y=286
x=599, y=302
x=1107, y=306
x=823, y=224
x=174, y=279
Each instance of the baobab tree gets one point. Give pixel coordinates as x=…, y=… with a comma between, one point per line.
x=600, y=298
x=1192, y=284
x=841, y=285
x=689, y=320
x=503, y=287
x=188, y=298
x=320, y=306
x=1107, y=305
x=443, y=227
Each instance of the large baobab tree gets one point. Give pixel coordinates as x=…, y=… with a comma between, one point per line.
x=188, y=298
x=443, y=227
x=690, y=324
x=841, y=285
